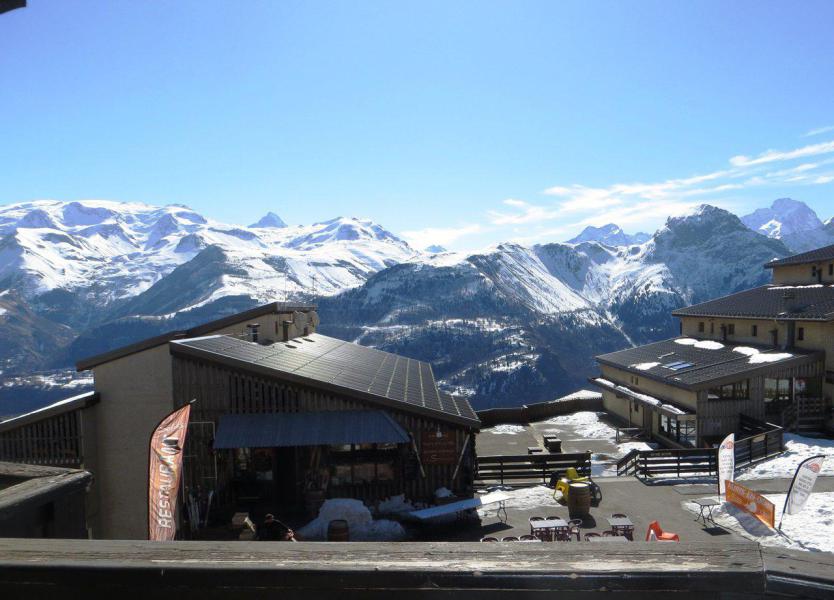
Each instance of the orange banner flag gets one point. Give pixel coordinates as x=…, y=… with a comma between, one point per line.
x=164, y=474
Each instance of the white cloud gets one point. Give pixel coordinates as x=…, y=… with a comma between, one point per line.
x=818, y=131
x=779, y=155
x=442, y=236
x=527, y=213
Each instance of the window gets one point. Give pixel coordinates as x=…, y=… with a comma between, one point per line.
x=712, y=328
x=739, y=390
x=831, y=269
x=362, y=463
x=754, y=330
x=677, y=365
x=778, y=395
x=814, y=271
x=731, y=329
x=682, y=431
x=800, y=333
x=700, y=327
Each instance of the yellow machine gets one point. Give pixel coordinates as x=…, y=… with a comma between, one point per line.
x=572, y=476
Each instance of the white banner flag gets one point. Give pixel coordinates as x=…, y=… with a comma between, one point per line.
x=803, y=484
x=726, y=461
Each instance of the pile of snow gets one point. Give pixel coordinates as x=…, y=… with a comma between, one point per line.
x=506, y=429
x=760, y=358
x=703, y=344
x=797, y=449
x=443, y=492
x=644, y=366
x=361, y=525
x=812, y=529
x=396, y=505
x=746, y=350
x=708, y=345
x=580, y=395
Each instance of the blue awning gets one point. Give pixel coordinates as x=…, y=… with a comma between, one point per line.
x=308, y=429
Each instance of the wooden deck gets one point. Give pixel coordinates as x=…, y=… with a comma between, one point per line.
x=68, y=569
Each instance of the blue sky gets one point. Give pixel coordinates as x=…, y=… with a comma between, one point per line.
x=462, y=123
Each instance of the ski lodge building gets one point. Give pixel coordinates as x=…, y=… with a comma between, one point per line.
x=284, y=417
x=766, y=353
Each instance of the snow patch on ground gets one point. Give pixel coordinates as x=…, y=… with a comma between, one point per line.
x=585, y=424
x=506, y=429
x=797, y=449
x=361, y=525
x=539, y=496
x=812, y=529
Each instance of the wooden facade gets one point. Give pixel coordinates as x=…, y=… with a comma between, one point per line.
x=717, y=417
x=221, y=390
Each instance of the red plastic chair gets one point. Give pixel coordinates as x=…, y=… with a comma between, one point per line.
x=662, y=536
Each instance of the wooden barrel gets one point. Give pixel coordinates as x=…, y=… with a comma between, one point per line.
x=337, y=531
x=579, y=499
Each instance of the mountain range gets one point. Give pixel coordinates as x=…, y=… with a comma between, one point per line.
x=507, y=325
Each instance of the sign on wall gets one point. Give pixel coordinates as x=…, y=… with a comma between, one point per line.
x=752, y=502
x=438, y=449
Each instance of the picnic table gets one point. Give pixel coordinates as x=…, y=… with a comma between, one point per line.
x=498, y=498
x=707, y=505
x=621, y=525
x=550, y=527
x=609, y=539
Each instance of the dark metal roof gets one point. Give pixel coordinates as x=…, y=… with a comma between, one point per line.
x=705, y=366
x=205, y=328
x=308, y=429
x=365, y=373
x=812, y=302
x=56, y=408
x=812, y=256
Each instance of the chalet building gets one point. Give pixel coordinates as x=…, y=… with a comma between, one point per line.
x=284, y=417
x=767, y=353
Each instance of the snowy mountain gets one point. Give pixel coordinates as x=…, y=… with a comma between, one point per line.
x=610, y=235
x=793, y=222
x=270, y=219
x=508, y=325
x=107, y=252
x=521, y=324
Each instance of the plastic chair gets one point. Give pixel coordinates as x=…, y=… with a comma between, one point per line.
x=662, y=536
x=619, y=516
x=529, y=538
x=588, y=536
x=489, y=539
x=509, y=538
x=610, y=533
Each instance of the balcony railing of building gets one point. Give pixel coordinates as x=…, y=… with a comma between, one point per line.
x=757, y=441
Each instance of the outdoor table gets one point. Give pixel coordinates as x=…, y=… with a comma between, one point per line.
x=706, y=505
x=622, y=525
x=550, y=526
x=611, y=539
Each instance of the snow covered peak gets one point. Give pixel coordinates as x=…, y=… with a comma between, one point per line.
x=784, y=217
x=343, y=229
x=435, y=249
x=270, y=220
x=610, y=235
x=121, y=250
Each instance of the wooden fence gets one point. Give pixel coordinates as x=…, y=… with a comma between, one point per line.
x=529, y=468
